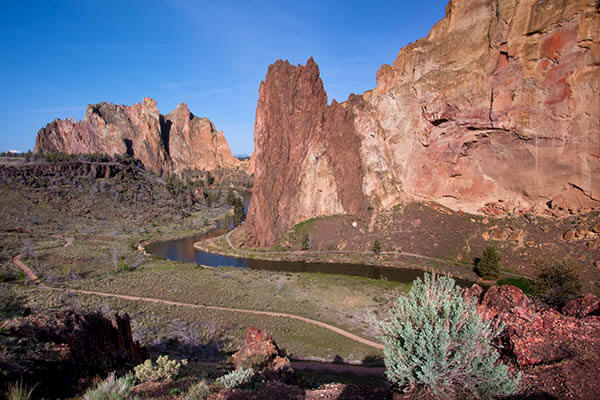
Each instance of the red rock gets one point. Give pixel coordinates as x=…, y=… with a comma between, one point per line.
x=583, y=306
x=503, y=298
x=261, y=353
x=558, y=354
x=164, y=144
x=494, y=111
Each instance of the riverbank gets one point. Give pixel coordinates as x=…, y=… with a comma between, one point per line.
x=222, y=245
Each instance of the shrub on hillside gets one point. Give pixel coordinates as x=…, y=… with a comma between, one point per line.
x=488, y=266
x=236, y=378
x=557, y=282
x=163, y=370
x=112, y=388
x=435, y=341
x=306, y=241
x=199, y=391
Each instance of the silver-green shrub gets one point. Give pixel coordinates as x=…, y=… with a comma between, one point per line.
x=237, y=377
x=435, y=340
x=112, y=388
x=200, y=391
x=163, y=370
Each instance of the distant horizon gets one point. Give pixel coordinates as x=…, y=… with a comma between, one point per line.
x=63, y=55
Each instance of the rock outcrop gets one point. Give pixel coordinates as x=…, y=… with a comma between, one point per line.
x=260, y=352
x=63, y=351
x=164, y=143
x=558, y=354
x=497, y=110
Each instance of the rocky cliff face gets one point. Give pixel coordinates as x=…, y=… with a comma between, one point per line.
x=63, y=351
x=496, y=111
x=164, y=144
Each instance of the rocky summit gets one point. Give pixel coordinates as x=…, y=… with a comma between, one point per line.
x=496, y=111
x=164, y=143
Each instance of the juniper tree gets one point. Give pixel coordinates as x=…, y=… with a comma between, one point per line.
x=435, y=341
x=488, y=266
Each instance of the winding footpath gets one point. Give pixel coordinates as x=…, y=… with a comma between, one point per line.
x=33, y=277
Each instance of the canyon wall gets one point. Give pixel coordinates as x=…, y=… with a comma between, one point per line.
x=164, y=143
x=496, y=111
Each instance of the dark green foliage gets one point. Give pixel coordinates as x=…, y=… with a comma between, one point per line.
x=488, y=266
x=557, y=282
x=306, y=241
x=210, y=179
x=238, y=212
x=527, y=286
x=376, y=246
x=230, y=199
x=436, y=341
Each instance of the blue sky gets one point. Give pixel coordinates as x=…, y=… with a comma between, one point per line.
x=60, y=55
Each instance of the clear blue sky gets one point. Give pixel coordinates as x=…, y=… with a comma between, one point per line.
x=60, y=55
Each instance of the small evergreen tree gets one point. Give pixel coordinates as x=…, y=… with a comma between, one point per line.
x=230, y=198
x=488, y=266
x=435, y=340
x=238, y=212
x=306, y=242
x=376, y=246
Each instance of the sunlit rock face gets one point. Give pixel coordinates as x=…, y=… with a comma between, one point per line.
x=497, y=110
x=164, y=144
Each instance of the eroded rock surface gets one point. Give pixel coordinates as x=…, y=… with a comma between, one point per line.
x=558, y=354
x=497, y=110
x=260, y=352
x=164, y=143
x=64, y=351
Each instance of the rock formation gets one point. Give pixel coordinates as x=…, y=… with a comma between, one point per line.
x=497, y=110
x=164, y=143
x=557, y=354
x=261, y=353
x=63, y=351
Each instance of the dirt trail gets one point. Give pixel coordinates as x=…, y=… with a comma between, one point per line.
x=34, y=279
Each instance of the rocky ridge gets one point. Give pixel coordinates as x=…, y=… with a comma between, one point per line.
x=557, y=353
x=63, y=351
x=494, y=112
x=165, y=144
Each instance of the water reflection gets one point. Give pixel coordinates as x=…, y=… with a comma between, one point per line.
x=184, y=250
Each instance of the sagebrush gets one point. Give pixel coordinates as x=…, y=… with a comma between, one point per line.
x=199, y=391
x=112, y=388
x=435, y=341
x=236, y=378
x=163, y=370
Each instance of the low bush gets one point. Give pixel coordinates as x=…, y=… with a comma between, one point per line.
x=163, y=370
x=199, y=391
x=19, y=391
x=112, y=388
x=435, y=341
x=236, y=378
x=557, y=282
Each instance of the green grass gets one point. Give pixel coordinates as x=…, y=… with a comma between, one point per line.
x=526, y=285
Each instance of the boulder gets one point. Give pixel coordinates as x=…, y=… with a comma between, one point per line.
x=583, y=306
x=260, y=352
x=558, y=354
